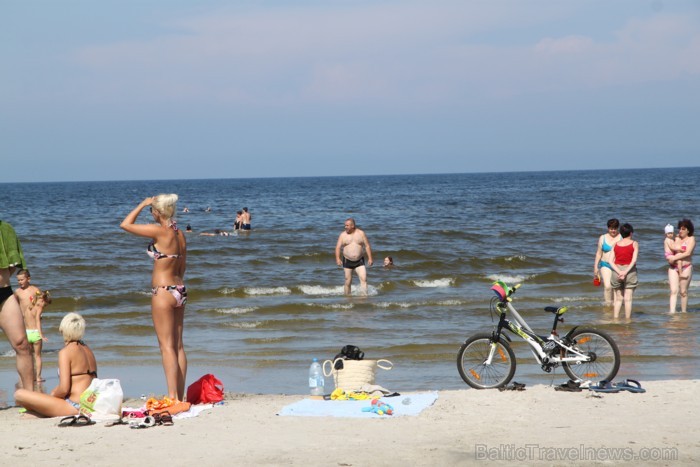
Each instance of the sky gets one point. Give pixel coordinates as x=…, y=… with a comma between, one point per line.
x=174, y=89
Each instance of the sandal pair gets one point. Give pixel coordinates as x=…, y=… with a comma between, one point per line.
x=75, y=420
x=631, y=385
x=162, y=418
x=569, y=386
x=513, y=387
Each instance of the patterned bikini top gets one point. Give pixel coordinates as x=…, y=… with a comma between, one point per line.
x=153, y=252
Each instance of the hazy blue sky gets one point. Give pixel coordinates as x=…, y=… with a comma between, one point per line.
x=159, y=89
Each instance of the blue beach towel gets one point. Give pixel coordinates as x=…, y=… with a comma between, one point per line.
x=416, y=403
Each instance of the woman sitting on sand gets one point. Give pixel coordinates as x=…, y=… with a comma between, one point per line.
x=76, y=369
x=168, y=249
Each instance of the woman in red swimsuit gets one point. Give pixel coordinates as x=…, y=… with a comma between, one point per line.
x=168, y=249
x=624, y=265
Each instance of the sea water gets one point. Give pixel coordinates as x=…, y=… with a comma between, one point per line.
x=263, y=303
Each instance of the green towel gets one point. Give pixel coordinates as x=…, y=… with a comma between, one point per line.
x=10, y=248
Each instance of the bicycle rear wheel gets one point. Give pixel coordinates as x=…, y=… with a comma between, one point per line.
x=473, y=369
x=605, y=356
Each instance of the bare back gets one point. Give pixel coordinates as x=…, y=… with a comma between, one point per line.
x=80, y=366
x=170, y=271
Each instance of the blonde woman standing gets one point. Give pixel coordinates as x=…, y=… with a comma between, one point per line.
x=168, y=249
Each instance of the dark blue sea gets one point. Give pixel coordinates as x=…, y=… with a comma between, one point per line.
x=263, y=304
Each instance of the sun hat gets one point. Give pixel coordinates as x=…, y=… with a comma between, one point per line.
x=668, y=228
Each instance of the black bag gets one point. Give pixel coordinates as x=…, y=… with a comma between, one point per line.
x=349, y=352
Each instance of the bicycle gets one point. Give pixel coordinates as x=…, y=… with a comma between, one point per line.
x=486, y=360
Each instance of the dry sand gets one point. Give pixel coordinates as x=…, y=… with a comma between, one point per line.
x=537, y=426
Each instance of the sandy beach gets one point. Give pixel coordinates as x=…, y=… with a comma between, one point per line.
x=538, y=426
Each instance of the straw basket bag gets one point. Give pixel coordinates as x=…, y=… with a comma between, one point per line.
x=355, y=373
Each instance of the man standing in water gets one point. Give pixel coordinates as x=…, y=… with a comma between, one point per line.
x=353, y=244
x=245, y=219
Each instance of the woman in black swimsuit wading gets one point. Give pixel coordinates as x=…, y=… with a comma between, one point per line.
x=76, y=369
x=168, y=249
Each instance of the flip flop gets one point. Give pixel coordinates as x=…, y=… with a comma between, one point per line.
x=75, y=420
x=513, y=387
x=603, y=386
x=67, y=421
x=630, y=385
x=569, y=386
x=120, y=421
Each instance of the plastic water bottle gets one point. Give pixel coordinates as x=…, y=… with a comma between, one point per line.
x=316, y=379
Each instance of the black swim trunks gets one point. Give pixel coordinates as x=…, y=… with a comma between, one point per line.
x=5, y=293
x=348, y=264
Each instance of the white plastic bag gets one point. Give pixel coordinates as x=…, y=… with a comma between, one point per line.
x=102, y=400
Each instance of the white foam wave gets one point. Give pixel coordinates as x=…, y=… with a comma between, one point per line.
x=235, y=311
x=267, y=291
x=371, y=291
x=247, y=325
x=437, y=283
x=518, y=257
x=316, y=290
x=8, y=353
x=332, y=306
x=510, y=280
x=228, y=291
x=395, y=305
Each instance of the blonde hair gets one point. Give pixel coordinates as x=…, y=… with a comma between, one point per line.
x=45, y=295
x=165, y=205
x=72, y=327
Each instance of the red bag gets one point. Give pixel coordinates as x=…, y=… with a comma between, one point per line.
x=205, y=390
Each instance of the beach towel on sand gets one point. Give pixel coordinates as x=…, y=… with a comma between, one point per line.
x=404, y=405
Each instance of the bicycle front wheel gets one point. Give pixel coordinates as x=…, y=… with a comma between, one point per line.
x=471, y=362
x=603, y=352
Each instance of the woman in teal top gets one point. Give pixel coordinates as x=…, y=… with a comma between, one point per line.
x=601, y=265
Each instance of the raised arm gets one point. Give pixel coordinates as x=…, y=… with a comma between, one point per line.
x=143, y=230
